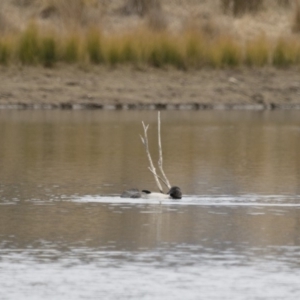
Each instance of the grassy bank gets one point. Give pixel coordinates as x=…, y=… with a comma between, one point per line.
x=189, y=49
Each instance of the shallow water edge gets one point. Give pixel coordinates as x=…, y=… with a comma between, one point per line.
x=150, y=106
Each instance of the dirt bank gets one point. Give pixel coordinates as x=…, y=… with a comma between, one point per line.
x=126, y=88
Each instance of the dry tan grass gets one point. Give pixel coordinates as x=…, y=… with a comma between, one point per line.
x=296, y=21
x=274, y=19
x=72, y=13
x=284, y=3
x=157, y=20
x=240, y=7
x=165, y=23
x=5, y=22
x=141, y=7
x=191, y=49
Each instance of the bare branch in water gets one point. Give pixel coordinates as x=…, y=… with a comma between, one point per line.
x=152, y=168
x=158, y=177
x=160, y=161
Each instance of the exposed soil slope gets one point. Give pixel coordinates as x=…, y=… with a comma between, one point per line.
x=121, y=88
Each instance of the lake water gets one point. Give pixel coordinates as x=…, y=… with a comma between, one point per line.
x=66, y=234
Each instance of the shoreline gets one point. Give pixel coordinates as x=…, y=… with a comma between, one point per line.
x=149, y=106
x=127, y=88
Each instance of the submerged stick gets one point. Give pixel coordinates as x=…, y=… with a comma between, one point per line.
x=160, y=161
x=152, y=168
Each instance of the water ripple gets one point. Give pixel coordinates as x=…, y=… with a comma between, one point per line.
x=206, y=200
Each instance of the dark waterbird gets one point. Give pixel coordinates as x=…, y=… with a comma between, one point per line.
x=173, y=193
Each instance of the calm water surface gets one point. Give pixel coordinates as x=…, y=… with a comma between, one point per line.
x=65, y=233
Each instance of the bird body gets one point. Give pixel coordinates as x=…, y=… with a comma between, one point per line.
x=173, y=193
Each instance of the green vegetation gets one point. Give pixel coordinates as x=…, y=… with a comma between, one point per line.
x=5, y=52
x=230, y=52
x=188, y=50
x=128, y=53
x=28, y=49
x=48, y=51
x=286, y=53
x=257, y=52
x=71, y=49
x=94, y=47
x=165, y=52
x=239, y=7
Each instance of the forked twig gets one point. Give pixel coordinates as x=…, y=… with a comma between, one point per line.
x=160, y=161
x=152, y=168
x=158, y=177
